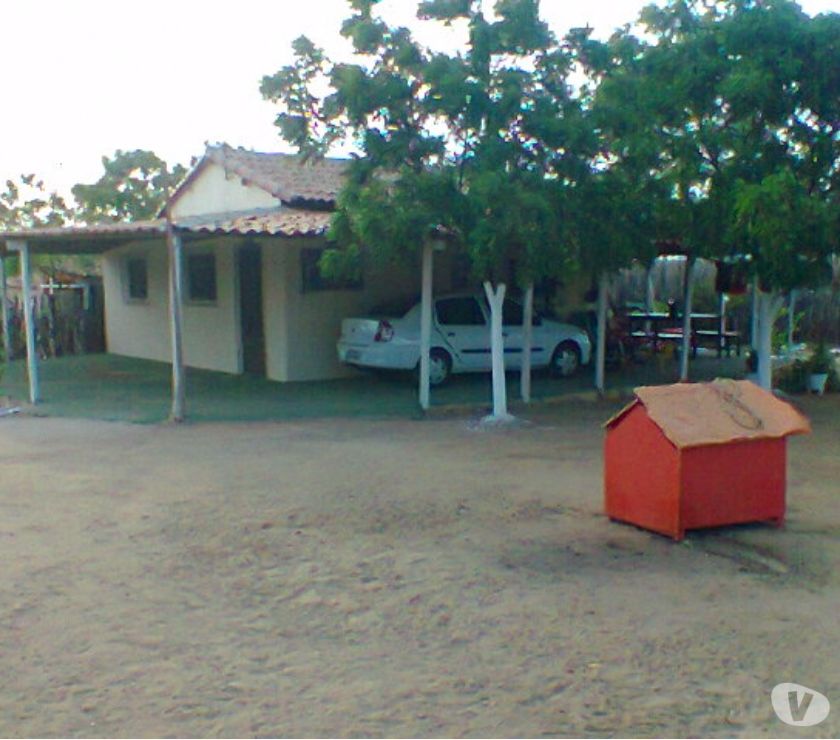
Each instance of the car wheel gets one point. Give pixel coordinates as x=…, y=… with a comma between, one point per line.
x=566, y=360
x=440, y=366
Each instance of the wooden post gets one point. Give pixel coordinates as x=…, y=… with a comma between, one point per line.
x=29, y=319
x=688, y=295
x=426, y=324
x=527, y=343
x=4, y=316
x=176, y=322
x=601, y=338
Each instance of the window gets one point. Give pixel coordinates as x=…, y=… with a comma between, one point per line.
x=459, y=312
x=201, y=277
x=312, y=279
x=137, y=279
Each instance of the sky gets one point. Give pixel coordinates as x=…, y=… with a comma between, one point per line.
x=83, y=78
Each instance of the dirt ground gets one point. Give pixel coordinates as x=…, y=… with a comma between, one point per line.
x=373, y=578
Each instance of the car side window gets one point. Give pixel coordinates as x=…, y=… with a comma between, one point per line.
x=512, y=313
x=459, y=312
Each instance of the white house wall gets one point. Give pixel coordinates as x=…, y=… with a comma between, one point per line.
x=141, y=328
x=213, y=191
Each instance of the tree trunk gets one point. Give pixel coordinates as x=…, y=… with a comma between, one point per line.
x=650, y=294
x=601, y=338
x=425, y=325
x=769, y=305
x=496, y=299
x=527, y=343
x=754, y=315
x=791, y=320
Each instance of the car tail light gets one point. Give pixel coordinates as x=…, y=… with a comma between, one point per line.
x=384, y=332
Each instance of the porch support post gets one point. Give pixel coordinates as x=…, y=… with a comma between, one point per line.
x=176, y=322
x=5, y=317
x=527, y=344
x=601, y=338
x=425, y=323
x=22, y=248
x=688, y=295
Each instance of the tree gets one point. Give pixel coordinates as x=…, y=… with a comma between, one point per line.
x=26, y=204
x=446, y=141
x=134, y=187
x=743, y=99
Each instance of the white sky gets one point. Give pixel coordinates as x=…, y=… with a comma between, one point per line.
x=82, y=78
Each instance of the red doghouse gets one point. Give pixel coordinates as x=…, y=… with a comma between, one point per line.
x=696, y=455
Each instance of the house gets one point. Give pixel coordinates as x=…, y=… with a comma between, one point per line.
x=696, y=455
x=253, y=227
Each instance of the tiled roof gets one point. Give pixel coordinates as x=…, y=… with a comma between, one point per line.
x=63, y=232
x=281, y=222
x=285, y=176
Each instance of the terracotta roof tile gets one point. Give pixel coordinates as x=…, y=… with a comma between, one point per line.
x=281, y=222
x=285, y=176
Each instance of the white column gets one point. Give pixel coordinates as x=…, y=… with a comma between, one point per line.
x=688, y=295
x=29, y=319
x=527, y=343
x=176, y=323
x=426, y=323
x=601, y=338
x=4, y=314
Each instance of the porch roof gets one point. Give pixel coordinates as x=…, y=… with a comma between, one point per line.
x=98, y=238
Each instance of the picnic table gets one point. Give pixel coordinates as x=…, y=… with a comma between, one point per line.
x=657, y=327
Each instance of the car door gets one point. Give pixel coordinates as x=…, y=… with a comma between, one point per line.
x=462, y=324
x=512, y=312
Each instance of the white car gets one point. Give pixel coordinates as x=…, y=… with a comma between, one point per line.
x=460, y=340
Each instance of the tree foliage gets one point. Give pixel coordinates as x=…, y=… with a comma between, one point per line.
x=472, y=142
x=134, y=186
x=26, y=203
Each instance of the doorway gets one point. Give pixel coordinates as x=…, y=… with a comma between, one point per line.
x=249, y=263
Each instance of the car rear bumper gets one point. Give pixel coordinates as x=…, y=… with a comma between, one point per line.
x=383, y=355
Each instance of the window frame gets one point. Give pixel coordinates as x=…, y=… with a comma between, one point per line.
x=126, y=278
x=477, y=303
x=189, y=258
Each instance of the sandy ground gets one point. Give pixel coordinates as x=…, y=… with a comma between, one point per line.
x=370, y=578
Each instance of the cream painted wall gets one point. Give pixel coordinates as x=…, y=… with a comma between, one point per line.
x=215, y=192
x=302, y=328
x=141, y=329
